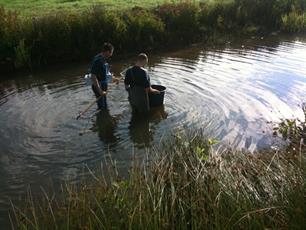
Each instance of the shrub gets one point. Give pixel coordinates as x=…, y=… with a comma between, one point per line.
x=50, y=39
x=294, y=22
x=294, y=131
x=22, y=55
x=219, y=15
x=181, y=21
x=65, y=37
x=9, y=35
x=145, y=30
x=100, y=25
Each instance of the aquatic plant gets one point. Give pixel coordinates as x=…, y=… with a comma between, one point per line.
x=293, y=131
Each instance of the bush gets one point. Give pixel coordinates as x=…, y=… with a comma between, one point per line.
x=219, y=15
x=50, y=39
x=26, y=42
x=294, y=22
x=294, y=131
x=22, y=55
x=100, y=25
x=181, y=22
x=9, y=35
x=145, y=30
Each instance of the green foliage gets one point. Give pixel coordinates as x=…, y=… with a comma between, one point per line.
x=294, y=22
x=66, y=36
x=144, y=29
x=258, y=11
x=22, y=55
x=51, y=38
x=44, y=7
x=219, y=15
x=181, y=21
x=9, y=34
x=293, y=130
x=100, y=25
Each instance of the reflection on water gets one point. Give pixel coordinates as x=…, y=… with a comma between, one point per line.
x=105, y=125
x=231, y=92
x=142, y=126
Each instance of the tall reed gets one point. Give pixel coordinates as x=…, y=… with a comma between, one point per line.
x=185, y=184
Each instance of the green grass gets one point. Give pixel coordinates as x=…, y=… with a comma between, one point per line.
x=70, y=31
x=42, y=7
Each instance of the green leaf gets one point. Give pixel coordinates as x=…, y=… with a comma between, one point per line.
x=212, y=141
x=204, y=158
x=199, y=151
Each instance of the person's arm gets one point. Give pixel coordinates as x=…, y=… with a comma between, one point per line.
x=127, y=79
x=147, y=85
x=95, y=83
x=95, y=70
x=115, y=80
x=151, y=90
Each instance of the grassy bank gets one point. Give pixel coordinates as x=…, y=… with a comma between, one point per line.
x=186, y=185
x=27, y=42
x=42, y=7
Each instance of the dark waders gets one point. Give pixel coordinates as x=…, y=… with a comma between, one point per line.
x=102, y=103
x=138, y=98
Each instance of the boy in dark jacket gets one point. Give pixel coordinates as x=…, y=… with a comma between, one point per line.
x=137, y=83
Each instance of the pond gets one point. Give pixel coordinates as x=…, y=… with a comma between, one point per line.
x=232, y=92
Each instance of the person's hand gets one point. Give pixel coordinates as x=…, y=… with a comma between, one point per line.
x=156, y=91
x=116, y=80
x=102, y=93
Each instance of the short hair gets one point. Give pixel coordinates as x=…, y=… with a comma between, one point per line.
x=107, y=47
x=142, y=57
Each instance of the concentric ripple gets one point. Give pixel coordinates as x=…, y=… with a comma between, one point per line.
x=232, y=92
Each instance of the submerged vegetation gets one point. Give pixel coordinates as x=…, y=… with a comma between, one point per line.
x=68, y=36
x=186, y=185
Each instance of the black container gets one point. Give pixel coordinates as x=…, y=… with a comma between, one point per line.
x=157, y=99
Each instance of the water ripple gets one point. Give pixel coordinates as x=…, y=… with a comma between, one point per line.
x=230, y=92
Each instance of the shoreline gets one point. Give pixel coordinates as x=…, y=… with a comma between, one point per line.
x=31, y=43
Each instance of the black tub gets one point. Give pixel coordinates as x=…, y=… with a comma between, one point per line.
x=157, y=99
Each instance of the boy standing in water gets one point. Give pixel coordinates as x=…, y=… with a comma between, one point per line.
x=137, y=83
x=100, y=74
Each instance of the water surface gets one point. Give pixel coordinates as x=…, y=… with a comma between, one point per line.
x=232, y=92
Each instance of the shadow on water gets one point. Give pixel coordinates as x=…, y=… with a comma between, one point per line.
x=142, y=126
x=105, y=125
x=234, y=90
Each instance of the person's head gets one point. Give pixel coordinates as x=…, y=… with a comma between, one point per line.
x=107, y=50
x=142, y=59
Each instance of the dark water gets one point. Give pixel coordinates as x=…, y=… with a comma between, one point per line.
x=232, y=92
